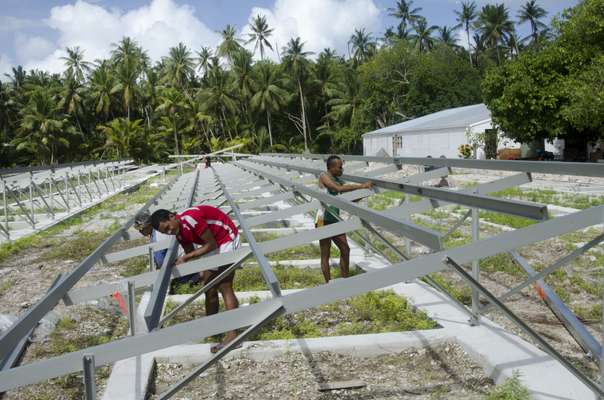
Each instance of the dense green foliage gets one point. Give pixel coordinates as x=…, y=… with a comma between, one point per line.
x=559, y=90
x=196, y=101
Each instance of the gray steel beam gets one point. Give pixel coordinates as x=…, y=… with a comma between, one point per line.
x=425, y=236
x=313, y=297
x=405, y=210
x=15, y=355
x=28, y=320
x=267, y=273
x=82, y=295
x=572, y=324
x=543, y=167
x=527, y=329
x=513, y=207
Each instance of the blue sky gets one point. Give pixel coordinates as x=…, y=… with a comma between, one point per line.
x=34, y=33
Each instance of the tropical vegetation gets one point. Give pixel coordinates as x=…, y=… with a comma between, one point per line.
x=199, y=100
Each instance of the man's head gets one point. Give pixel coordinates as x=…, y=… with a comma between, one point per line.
x=335, y=165
x=165, y=222
x=142, y=223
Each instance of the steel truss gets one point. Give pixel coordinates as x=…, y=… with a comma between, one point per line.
x=262, y=181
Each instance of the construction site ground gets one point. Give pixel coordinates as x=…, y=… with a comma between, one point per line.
x=420, y=373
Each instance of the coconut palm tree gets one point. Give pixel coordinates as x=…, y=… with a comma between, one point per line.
x=447, y=36
x=466, y=17
x=423, y=34
x=494, y=24
x=218, y=97
x=230, y=44
x=406, y=13
x=102, y=82
x=297, y=65
x=179, y=68
x=203, y=59
x=362, y=45
x=43, y=126
x=76, y=66
x=260, y=34
x=171, y=102
x=243, y=80
x=532, y=13
x=269, y=96
x=120, y=133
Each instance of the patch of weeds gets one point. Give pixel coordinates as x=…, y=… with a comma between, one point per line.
x=75, y=248
x=265, y=236
x=372, y=312
x=66, y=338
x=305, y=252
x=578, y=201
x=462, y=293
x=250, y=278
x=591, y=313
x=135, y=266
x=511, y=389
x=5, y=286
x=507, y=220
x=502, y=262
x=27, y=242
x=456, y=239
x=379, y=203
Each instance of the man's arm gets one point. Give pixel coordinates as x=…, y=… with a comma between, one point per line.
x=330, y=184
x=209, y=244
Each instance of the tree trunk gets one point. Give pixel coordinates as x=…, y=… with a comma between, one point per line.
x=175, y=137
x=303, y=116
x=469, y=47
x=270, y=133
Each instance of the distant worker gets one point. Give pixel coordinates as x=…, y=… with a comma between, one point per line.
x=142, y=223
x=334, y=185
x=215, y=233
x=208, y=162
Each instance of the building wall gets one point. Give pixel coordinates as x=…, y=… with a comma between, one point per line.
x=421, y=144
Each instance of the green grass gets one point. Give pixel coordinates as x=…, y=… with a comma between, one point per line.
x=373, y=312
x=135, y=266
x=511, y=389
x=463, y=294
x=5, y=287
x=250, y=279
x=579, y=201
x=507, y=220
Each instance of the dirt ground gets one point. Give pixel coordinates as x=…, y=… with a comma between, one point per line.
x=442, y=372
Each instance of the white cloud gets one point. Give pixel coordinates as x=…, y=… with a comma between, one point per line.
x=5, y=67
x=32, y=47
x=319, y=23
x=156, y=27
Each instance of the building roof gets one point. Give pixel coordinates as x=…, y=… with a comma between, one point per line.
x=459, y=117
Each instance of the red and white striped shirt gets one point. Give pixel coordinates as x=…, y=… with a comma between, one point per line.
x=195, y=220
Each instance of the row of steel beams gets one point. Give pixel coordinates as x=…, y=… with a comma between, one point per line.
x=30, y=318
x=514, y=207
x=313, y=297
x=543, y=167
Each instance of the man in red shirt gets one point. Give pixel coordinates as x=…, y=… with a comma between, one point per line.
x=214, y=233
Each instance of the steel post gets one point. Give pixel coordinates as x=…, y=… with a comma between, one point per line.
x=131, y=308
x=475, y=319
x=31, y=200
x=89, y=377
x=151, y=259
x=5, y=205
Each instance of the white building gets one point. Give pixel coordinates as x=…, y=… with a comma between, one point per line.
x=437, y=134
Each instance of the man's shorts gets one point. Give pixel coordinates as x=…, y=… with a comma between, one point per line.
x=225, y=248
